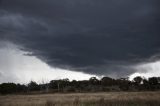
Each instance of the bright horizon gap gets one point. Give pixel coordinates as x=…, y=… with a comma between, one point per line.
x=22, y=68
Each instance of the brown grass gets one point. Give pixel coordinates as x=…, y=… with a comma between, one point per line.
x=82, y=99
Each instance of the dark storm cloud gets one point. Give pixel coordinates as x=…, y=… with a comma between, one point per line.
x=100, y=37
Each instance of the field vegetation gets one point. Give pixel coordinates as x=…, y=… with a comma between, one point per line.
x=84, y=99
x=92, y=92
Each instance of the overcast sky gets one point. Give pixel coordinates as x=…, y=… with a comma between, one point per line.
x=51, y=39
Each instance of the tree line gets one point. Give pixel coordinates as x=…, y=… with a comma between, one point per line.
x=104, y=84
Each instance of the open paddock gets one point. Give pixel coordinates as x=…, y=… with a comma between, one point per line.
x=84, y=99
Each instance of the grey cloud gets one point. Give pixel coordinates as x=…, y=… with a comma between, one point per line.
x=0, y=74
x=99, y=37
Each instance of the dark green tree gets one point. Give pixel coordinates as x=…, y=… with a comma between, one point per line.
x=8, y=88
x=93, y=81
x=153, y=81
x=138, y=80
x=33, y=86
x=106, y=81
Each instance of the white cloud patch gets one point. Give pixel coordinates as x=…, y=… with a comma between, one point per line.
x=147, y=70
x=17, y=67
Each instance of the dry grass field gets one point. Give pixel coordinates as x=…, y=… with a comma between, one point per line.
x=84, y=99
